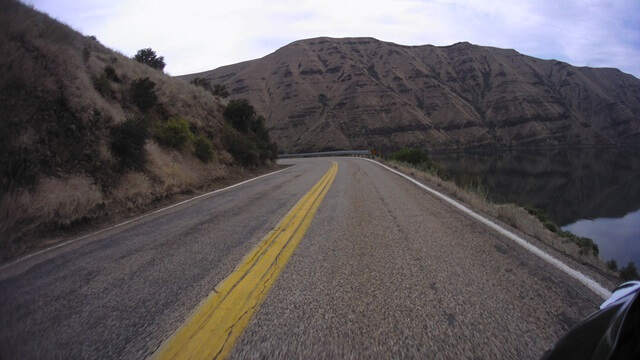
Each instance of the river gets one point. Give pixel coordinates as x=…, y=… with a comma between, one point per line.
x=593, y=193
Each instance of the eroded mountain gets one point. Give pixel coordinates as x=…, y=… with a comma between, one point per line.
x=326, y=93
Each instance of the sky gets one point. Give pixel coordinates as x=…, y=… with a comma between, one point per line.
x=200, y=35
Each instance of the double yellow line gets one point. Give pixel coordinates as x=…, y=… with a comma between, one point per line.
x=211, y=331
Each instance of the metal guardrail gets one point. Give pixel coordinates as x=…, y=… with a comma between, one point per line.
x=363, y=153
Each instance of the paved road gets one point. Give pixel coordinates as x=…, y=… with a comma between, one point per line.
x=385, y=270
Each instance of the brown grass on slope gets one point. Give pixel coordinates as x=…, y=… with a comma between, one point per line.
x=59, y=100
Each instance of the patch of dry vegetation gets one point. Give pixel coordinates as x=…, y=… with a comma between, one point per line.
x=62, y=95
x=511, y=214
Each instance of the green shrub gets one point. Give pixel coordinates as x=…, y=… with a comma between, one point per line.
x=110, y=73
x=541, y=215
x=149, y=57
x=550, y=226
x=323, y=99
x=612, y=265
x=586, y=245
x=127, y=141
x=202, y=82
x=103, y=86
x=629, y=272
x=420, y=160
x=414, y=157
x=203, y=148
x=86, y=53
x=143, y=93
x=240, y=114
x=220, y=90
x=217, y=89
x=174, y=133
x=244, y=151
x=251, y=145
x=273, y=148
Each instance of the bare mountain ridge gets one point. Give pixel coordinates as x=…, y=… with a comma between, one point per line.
x=325, y=93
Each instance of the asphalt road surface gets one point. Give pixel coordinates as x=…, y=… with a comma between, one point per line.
x=384, y=270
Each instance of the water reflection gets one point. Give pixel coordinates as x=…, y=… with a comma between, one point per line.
x=571, y=186
x=620, y=238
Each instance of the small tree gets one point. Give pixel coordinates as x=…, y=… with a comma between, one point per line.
x=127, y=143
x=412, y=156
x=243, y=150
x=240, y=114
x=174, y=133
x=203, y=148
x=202, y=82
x=220, y=90
x=143, y=93
x=629, y=272
x=148, y=57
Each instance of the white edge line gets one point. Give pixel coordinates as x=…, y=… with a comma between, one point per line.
x=584, y=279
x=15, y=262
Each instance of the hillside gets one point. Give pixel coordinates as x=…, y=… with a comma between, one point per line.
x=325, y=93
x=90, y=134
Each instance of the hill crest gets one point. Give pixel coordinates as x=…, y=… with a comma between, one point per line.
x=331, y=94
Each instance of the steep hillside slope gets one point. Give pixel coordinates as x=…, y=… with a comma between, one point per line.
x=72, y=111
x=326, y=93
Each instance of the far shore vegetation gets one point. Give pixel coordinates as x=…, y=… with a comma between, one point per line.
x=533, y=222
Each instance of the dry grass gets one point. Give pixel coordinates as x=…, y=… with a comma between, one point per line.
x=57, y=168
x=135, y=191
x=54, y=203
x=510, y=214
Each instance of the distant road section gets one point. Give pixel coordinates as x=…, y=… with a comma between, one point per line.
x=384, y=269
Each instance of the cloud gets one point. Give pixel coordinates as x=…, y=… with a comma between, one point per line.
x=198, y=35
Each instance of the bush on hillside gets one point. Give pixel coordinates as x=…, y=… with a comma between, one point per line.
x=243, y=150
x=411, y=156
x=143, y=93
x=629, y=272
x=217, y=89
x=203, y=148
x=415, y=157
x=103, y=87
x=612, y=265
x=174, y=133
x=127, y=142
x=202, y=82
x=587, y=246
x=149, y=57
x=239, y=114
x=253, y=134
x=110, y=73
x=220, y=90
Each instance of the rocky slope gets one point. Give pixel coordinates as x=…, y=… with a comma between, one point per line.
x=325, y=93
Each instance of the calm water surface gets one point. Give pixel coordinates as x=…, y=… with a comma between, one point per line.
x=593, y=193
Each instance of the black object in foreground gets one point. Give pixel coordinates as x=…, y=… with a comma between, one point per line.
x=613, y=332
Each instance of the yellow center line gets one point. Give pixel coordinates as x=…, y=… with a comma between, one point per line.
x=213, y=328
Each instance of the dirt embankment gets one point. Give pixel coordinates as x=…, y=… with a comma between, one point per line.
x=90, y=135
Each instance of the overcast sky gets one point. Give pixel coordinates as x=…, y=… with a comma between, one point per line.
x=199, y=35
